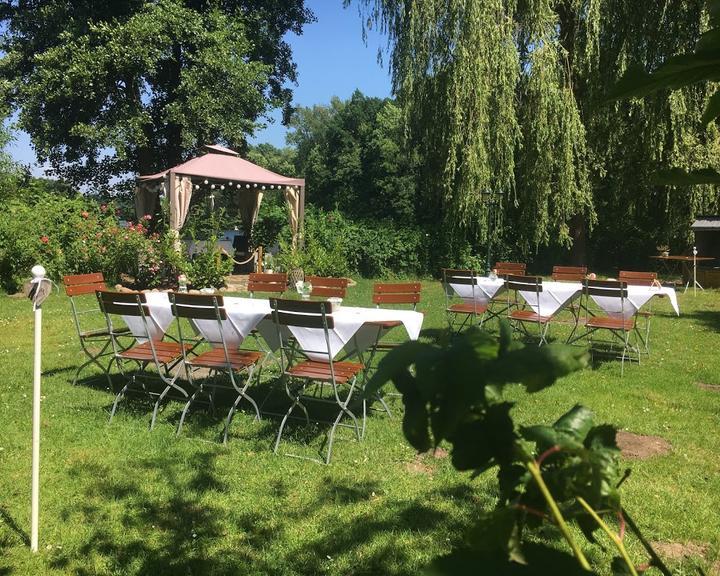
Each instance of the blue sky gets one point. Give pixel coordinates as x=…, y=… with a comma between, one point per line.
x=332, y=60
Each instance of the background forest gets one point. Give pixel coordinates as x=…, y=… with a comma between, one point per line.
x=510, y=150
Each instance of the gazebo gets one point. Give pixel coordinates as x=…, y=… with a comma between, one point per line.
x=223, y=169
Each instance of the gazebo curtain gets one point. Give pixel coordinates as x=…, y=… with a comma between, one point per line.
x=292, y=198
x=248, y=204
x=180, y=195
x=146, y=194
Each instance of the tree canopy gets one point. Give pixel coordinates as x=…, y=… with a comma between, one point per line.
x=510, y=97
x=106, y=88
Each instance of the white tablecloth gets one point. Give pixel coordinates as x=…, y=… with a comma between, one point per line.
x=159, y=321
x=351, y=332
x=485, y=290
x=637, y=297
x=555, y=295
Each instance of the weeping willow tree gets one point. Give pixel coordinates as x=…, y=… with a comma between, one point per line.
x=509, y=97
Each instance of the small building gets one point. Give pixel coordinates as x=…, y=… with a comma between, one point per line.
x=707, y=242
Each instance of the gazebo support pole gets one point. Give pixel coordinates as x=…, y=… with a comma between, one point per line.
x=301, y=217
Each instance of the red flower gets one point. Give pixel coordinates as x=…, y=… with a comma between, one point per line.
x=103, y=207
x=44, y=239
x=84, y=214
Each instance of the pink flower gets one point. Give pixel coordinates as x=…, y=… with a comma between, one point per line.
x=103, y=207
x=44, y=239
x=84, y=214
x=147, y=217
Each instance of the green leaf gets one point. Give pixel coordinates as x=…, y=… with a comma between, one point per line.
x=486, y=440
x=538, y=367
x=415, y=421
x=541, y=561
x=681, y=177
x=496, y=533
x=396, y=361
x=602, y=436
x=712, y=109
x=576, y=422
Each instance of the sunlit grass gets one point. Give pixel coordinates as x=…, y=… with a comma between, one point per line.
x=117, y=499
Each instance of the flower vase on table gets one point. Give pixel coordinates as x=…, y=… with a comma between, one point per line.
x=303, y=288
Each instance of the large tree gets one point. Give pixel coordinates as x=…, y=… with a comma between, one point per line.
x=110, y=87
x=510, y=97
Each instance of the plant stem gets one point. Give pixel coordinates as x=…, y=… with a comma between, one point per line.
x=562, y=525
x=656, y=560
x=614, y=537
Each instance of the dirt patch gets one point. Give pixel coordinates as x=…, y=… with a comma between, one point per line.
x=641, y=447
x=708, y=387
x=418, y=465
x=438, y=453
x=677, y=551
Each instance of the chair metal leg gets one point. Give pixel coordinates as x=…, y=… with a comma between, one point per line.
x=187, y=407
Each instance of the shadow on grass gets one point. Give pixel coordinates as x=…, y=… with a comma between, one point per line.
x=131, y=526
x=707, y=318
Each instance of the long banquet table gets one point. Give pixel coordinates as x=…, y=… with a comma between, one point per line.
x=353, y=332
x=557, y=295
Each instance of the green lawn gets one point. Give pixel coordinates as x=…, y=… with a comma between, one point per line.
x=118, y=499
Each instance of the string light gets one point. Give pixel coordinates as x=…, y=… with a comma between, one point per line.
x=205, y=182
x=212, y=187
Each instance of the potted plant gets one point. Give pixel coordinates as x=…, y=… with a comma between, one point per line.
x=291, y=259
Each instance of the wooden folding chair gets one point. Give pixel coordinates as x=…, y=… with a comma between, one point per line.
x=327, y=287
x=231, y=360
x=502, y=270
x=274, y=284
x=406, y=293
x=619, y=325
x=464, y=312
x=303, y=367
x=520, y=314
x=95, y=342
x=164, y=356
x=634, y=278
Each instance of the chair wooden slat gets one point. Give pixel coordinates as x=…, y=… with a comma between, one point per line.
x=327, y=281
x=92, y=278
x=275, y=282
x=524, y=283
x=505, y=268
x=394, y=288
x=607, y=288
x=304, y=320
x=569, y=273
x=633, y=278
x=80, y=289
x=327, y=292
x=413, y=298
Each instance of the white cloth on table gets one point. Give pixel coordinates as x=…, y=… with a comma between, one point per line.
x=243, y=315
x=157, y=323
x=637, y=297
x=554, y=296
x=352, y=333
x=485, y=290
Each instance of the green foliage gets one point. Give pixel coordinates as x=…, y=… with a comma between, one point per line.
x=76, y=235
x=566, y=470
x=110, y=88
x=337, y=246
x=354, y=157
x=209, y=267
x=511, y=97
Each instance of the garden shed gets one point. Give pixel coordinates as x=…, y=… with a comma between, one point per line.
x=707, y=242
x=222, y=170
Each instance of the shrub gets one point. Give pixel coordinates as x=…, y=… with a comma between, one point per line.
x=77, y=235
x=209, y=268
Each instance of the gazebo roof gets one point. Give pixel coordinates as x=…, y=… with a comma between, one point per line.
x=220, y=163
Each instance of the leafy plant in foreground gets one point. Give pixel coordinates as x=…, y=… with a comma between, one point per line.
x=560, y=473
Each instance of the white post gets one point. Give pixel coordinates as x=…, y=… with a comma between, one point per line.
x=694, y=271
x=37, y=295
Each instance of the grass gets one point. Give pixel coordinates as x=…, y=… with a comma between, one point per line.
x=117, y=499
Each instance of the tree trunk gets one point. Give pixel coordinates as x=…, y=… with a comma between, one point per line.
x=578, y=233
